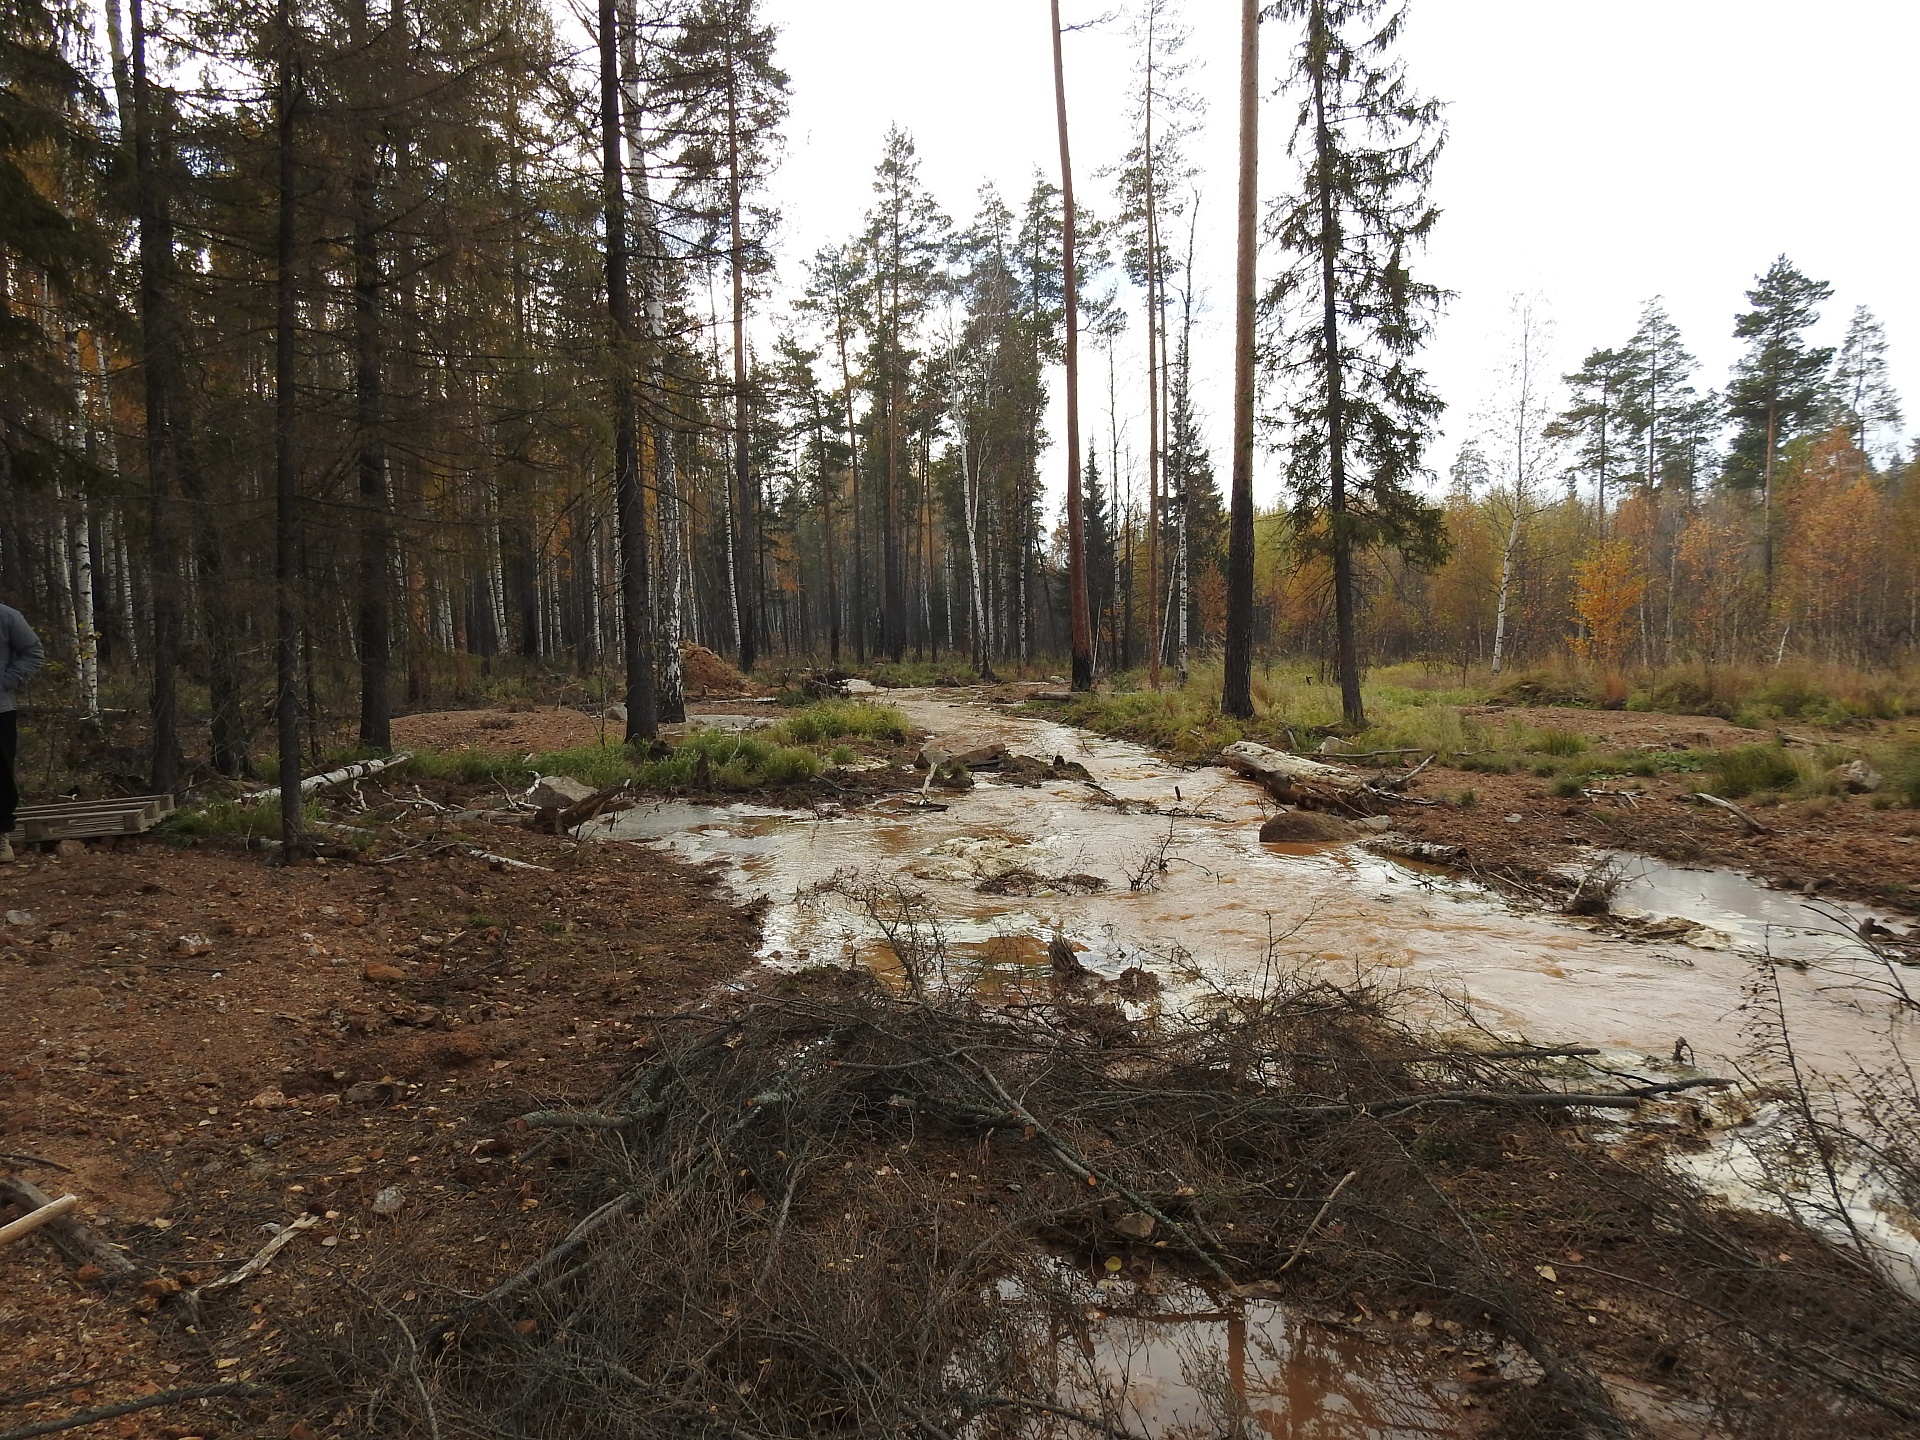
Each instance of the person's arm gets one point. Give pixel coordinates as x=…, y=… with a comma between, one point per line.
x=27, y=654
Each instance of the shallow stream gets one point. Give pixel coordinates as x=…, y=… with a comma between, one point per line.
x=1212, y=898
x=1187, y=890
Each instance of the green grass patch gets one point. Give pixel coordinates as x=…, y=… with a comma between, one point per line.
x=230, y=820
x=1748, y=769
x=839, y=719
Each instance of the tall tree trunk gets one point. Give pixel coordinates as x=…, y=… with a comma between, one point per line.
x=1076, y=517
x=748, y=529
x=374, y=583
x=1154, y=417
x=1345, y=597
x=287, y=549
x=1236, y=697
x=853, y=470
x=670, y=613
x=630, y=510
x=156, y=263
x=86, y=633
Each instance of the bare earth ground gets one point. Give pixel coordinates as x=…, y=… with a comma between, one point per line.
x=194, y=1090
x=1839, y=845
x=201, y=1045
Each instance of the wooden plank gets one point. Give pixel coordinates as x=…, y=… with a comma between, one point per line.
x=74, y=807
x=77, y=819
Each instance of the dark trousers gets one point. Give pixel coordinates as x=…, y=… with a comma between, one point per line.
x=9, y=749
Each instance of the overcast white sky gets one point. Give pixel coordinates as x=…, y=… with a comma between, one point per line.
x=1600, y=154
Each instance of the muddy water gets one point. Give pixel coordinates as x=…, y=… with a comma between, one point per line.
x=1211, y=895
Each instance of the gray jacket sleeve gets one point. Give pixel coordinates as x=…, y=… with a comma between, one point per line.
x=26, y=652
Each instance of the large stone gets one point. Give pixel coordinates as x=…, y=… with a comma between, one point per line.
x=1857, y=776
x=557, y=792
x=1306, y=827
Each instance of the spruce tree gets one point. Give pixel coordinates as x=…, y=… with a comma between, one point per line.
x=1656, y=392
x=1779, y=388
x=1347, y=315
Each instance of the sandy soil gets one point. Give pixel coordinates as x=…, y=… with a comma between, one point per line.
x=200, y=1045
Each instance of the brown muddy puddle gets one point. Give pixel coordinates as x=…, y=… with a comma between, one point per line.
x=1180, y=1364
x=1161, y=867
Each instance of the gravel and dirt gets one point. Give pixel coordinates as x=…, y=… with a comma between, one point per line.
x=202, y=1046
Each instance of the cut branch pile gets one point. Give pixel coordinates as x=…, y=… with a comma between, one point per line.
x=830, y=1207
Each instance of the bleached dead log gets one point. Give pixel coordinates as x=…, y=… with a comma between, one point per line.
x=71, y=1236
x=1296, y=780
x=34, y=1219
x=359, y=770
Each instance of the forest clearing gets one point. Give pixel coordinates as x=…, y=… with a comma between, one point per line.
x=677, y=779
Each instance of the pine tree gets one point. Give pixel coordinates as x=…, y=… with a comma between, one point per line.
x=1348, y=316
x=1593, y=421
x=1656, y=393
x=1779, y=388
x=1867, y=404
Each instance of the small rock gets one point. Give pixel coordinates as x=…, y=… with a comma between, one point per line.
x=69, y=849
x=378, y=974
x=87, y=1274
x=193, y=945
x=1515, y=819
x=1332, y=745
x=1857, y=777
x=1135, y=1225
x=388, y=1201
x=371, y=1092
x=61, y=939
x=22, y=917
x=270, y=1100
x=76, y=995
x=557, y=792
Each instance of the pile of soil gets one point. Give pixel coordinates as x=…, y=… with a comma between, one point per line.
x=708, y=677
x=201, y=1045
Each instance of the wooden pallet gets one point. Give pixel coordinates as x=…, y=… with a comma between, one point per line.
x=82, y=819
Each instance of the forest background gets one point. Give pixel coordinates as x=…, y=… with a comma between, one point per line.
x=307, y=306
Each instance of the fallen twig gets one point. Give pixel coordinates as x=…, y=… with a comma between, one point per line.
x=1701, y=797
x=1314, y=1224
x=262, y=1258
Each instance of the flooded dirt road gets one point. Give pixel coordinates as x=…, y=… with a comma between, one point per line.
x=1187, y=884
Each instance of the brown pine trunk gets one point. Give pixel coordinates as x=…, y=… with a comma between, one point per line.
x=286, y=555
x=1076, y=519
x=629, y=502
x=1236, y=696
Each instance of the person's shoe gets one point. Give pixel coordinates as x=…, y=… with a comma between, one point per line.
x=6, y=851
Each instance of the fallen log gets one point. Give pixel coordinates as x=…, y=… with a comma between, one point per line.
x=1296, y=780
x=358, y=771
